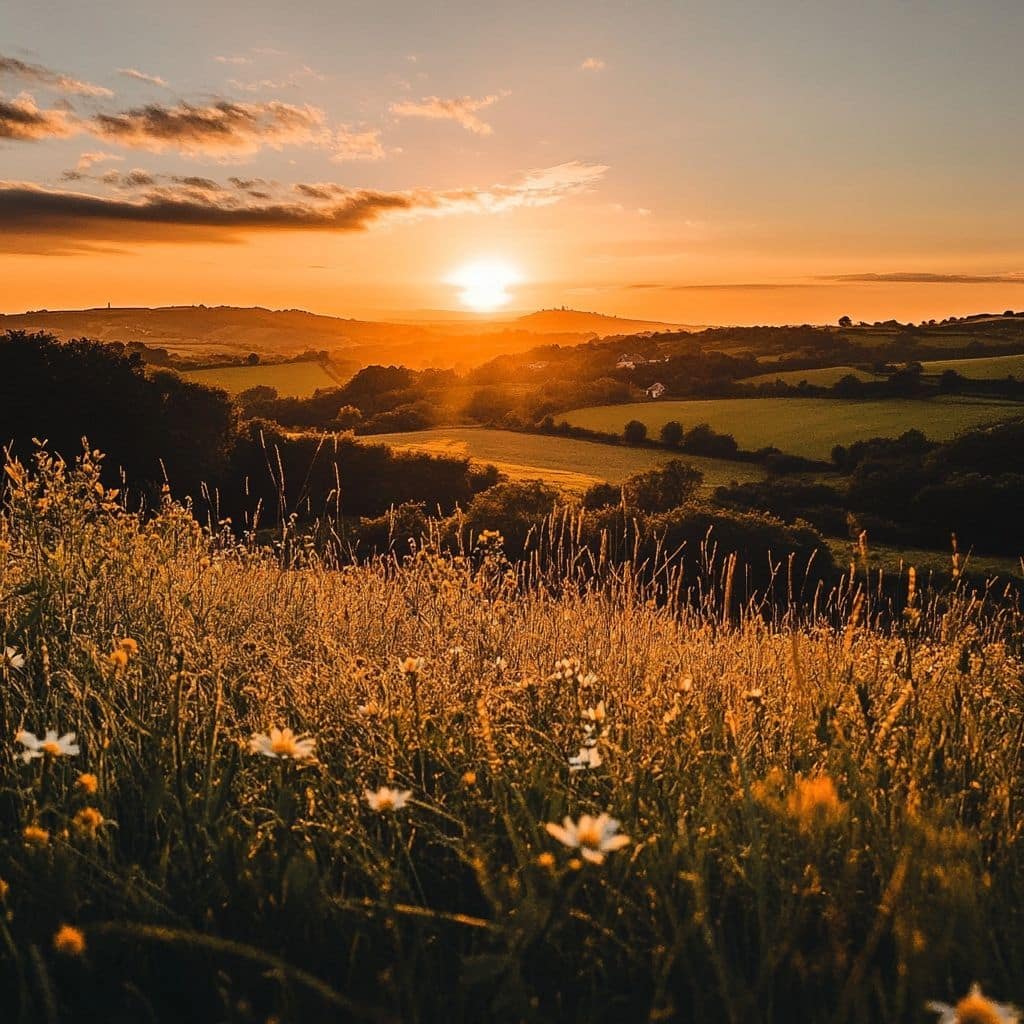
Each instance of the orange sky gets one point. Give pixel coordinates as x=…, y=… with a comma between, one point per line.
x=692, y=162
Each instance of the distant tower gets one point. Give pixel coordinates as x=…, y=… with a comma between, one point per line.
x=108, y=304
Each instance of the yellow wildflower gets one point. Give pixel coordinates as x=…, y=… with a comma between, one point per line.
x=69, y=940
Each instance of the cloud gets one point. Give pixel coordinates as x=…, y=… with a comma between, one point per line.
x=922, y=278
x=462, y=110
x=86, y=161
x=221, y=128
x=39, y=75
x=22, y=120
x=199, y=209
x=593, y=64
x=141, y=76
x=748, y=286
x=233, y=60
x=351, y=144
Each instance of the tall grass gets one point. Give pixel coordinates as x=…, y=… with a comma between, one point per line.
x=825, y=816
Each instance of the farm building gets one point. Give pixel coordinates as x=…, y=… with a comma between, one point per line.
x=656, y=390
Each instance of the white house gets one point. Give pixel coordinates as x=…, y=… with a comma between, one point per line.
x=656, y=390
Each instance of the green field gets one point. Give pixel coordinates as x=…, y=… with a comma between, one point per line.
x=823, y=377
x=292, y=380
x=562, y=461
x=980, y=368
x=804, y=426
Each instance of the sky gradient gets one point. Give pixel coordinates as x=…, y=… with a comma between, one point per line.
x=712, y=162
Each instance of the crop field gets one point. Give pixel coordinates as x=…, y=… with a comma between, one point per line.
x=241, y=788
x=292, y=380
x=804, y=426
x=567, y=463
x=823, y=377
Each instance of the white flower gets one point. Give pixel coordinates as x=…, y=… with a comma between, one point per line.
x=597, y=714
x=500, y=664
x=386, y=799
x=282, y=743
x=593, y=837
x=12, y=659
x=975, y=1008
x=588, y=757
x=63, y=746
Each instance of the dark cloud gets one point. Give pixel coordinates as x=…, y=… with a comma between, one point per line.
x=39, y=75
x=189, y=208
x=923, y=278
x=27, y=209
x=22, y=120
x=222, y=127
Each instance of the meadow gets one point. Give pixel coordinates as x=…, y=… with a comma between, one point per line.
x=803, y=426
x=511, y=793
x=291, y=380
x=979, y=368
x=569, y=464
x=822, y=376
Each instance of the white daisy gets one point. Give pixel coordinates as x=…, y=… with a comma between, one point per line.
x=282, y=743
x=593, y=837
x=51, y=743
x=588, y=757
x=975, y=1008
x=12, y=659
x=386, y=799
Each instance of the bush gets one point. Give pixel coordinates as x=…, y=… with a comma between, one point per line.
x=662, y=489
x=635, y=432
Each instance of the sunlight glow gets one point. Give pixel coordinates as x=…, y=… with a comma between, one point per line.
x=484, y=284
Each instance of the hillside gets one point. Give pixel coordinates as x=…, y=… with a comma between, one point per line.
x=202, y=332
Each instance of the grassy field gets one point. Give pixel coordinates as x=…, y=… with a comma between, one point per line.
x=803, y=426
x=517, y=799
x=564, y=462
x=823, y=377
x=980, y=368
x=292, y=380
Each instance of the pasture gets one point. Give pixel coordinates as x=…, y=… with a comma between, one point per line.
x=980, y=368
x=567, y=463
x=292, y=380
x=822, y=376
x=804, y=426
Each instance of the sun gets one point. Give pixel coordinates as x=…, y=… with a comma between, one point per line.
x=484, y=284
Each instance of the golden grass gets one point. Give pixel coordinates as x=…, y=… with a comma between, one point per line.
x=824, y=815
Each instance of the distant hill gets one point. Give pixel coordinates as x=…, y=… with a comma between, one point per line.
x=548, y=320
x=205, y=332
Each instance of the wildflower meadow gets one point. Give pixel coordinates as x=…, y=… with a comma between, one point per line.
x=244, y=780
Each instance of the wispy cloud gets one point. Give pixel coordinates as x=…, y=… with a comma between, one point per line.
x=593, y=64
x=222, y=59
x=36, y=74
x=221, y=128
x=89, y=160
x=742, y=286
x=141, y=76
x=348, y=143
x=461, y=109
x=22, y=120
x=200, y=209
x=925, y=278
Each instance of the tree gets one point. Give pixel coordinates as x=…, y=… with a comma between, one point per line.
x=662, y=489
x=252, y=359
x=635, y=432
x=845, y=321
x=672, y=434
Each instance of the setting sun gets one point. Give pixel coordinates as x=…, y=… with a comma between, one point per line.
x=483, y=285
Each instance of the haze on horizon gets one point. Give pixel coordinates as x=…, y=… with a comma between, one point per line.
x=693, y=162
